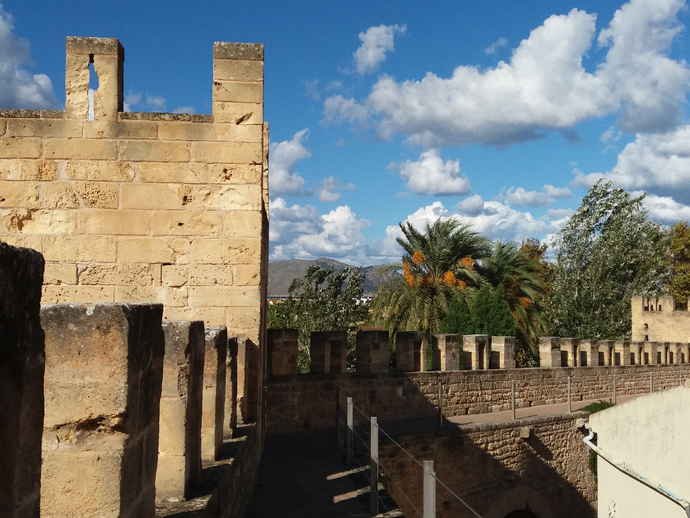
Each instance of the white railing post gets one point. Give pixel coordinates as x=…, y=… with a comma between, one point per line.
x=429, y=490
x=374, y=466
x=350, y=432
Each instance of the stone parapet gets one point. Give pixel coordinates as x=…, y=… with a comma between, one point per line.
x=549, y=351
x=479, y=346
x=445, y=353
x=282, y=351
x=104, y=366
x=411, y=351
x=215, y=376
x=179, y=453
x=502, y=352
x=621, y=353
x=570, y=352
x=231, y=404
x=589, y=353
x=328, y=352
x=22, y=364
x=372, y=351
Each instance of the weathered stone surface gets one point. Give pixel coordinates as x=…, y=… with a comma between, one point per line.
x=231, y=409
x=282, y=352
x=549, y=351
x=328, y=353
x=446, y=353
x=179, y=451
x=22, y=363
x=372, y=351
x=248, y=51
x=104, y=365
x=215, y=373
x=411, y=351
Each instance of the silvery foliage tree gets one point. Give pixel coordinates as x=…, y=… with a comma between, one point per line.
x=323, y=300
x=606, y=253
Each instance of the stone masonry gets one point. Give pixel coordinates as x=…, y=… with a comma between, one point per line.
x=22, y=363
x=104, y=365
x=145, y=207
x=214, y=392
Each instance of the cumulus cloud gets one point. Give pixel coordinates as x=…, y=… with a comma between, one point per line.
x=665, y=209
x=311, y=88
x=376, y=41
x=300, y=232
x=520, y=197
x=431, y=175
x=282, y=159
x=19, y=89
x=500, y=42
x=658, y=164
x=330, y=187
x=543, y=87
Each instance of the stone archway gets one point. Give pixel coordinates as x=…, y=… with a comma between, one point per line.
x=520, y=502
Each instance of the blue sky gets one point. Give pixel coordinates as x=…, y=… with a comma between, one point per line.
x=498, y=113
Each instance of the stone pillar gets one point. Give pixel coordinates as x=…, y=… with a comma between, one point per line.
x=22, y=363
x=606, y=352
x=589, y=353
x=328, y=351
x=650, y=353
x=410, y=351
x=373, y=351
x=664, y=348
x=108, y=57
x=213, y=409
x=570, y=351
x=104, y=368
x=621, y=353
x=685, y=352
x=179, y=453
x=637, y=353
x=248, y=358
x=549, y=352
x=238, y=79
x=676, y=352
x=481, y=350
x=282, y=351
x=446, y=353
x=503, y=347
x=231, y=388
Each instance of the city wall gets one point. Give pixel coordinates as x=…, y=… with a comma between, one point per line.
x=656, y=319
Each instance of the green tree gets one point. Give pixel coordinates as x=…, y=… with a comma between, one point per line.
x=481, y=311
x=438, y=265
x=501, y=320
x=323, y=300
x=536, y=250
x=457, y=320
x=606, y=253
x=679, y=279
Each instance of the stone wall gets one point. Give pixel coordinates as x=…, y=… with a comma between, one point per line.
x=145, y=207
x=496, y=469
x=307, y=401
x=656, y=319
x=22, y=364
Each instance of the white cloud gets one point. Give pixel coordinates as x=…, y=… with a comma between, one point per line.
x=431, y=175
x=330, y=187
x=300, y=232
x=376, y=41
x=19, y=89
x=500, y=42
x=658, y=164
x=665, y=209
x=184, y=109
x=543, y=87
x=156, y=101
x=282, y=159
x=520, y=197
x=311, y=88
x=472, y=206
x=611, y=135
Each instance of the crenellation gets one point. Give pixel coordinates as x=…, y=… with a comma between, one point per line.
x=238, y=113
x=238, y=51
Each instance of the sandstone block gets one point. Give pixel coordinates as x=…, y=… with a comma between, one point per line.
x=234, y=296
x=410, y=351
x=79, y=149
x=60, y=273
x=173, y=250
x=60, y=195
x=155, y=196
x=226, y=251
x=116, y=274
x=79, y=248
x=175, y=276
x=213, y=410
x=77, y=87
x=242, y=224
x=115, y=222
x=238, y=51
x=100, y=195
x=227, y=197
x=44, y=128
x=238, y=91
x=34, y=242
x=235, y=173
x=181, y=402
x=247, y=133
x=108, y=99
x=446, y=353
x=99, y=170
x=231, y=374
x=153, y=151
x=372, y=351
x=161, y=172
x=328, y=352
x=120, y=129
x=238, y=318
x=238, y=113
x=210, y=315
x=139, y=294
x=103, y=386
x=226, y=153
x=40, y=170
x=238, y=70
x=247, y=275
x=69, y=294
x=211, y=274
x=20, y=194
x=187, y=223
x=175, y=297
x=20, y=147
x=22, y=363
x=30, y=221
x=193, y=131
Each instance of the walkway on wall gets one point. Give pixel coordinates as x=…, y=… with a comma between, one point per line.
x=304, y=476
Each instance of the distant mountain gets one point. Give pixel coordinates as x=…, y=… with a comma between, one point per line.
x=282, y=273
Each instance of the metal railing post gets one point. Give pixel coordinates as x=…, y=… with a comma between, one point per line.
x=512, y=397
x=350, y=432
x=429, y=490
x=374, y=466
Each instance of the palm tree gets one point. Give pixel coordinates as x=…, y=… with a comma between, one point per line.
x=513, y=269
x=438, y=265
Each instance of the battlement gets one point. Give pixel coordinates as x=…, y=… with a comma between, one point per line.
x=656, y=319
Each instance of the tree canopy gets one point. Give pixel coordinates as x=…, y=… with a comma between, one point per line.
x=679, y=278
x=607, y=252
